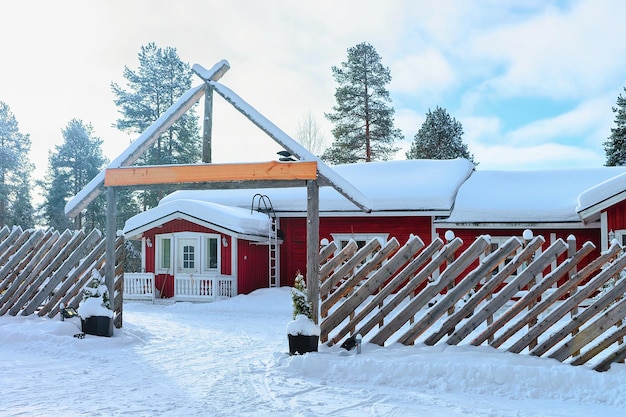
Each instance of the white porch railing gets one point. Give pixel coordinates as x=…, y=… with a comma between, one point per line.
x=138, y=286
x=203, y=287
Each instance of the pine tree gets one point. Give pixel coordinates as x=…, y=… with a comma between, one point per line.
x=70, y=167
x=160, y=80
x=615, y=145
x=363, y=118
x=15, y=172
x=440, y=137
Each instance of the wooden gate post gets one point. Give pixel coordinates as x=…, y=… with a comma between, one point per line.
x=208, y=124
x=109, y=257
x=312, y=246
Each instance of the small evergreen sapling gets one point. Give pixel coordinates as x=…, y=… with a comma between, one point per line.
x=96, y=300
x=301, y=304
x=302, y=323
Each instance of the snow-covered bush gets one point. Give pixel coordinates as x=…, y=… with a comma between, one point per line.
x=96, y=300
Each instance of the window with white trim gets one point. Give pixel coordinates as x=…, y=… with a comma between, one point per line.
x=498, y=241
x=361, y=239
x=619, y=235
x=188, y=252
x=212, y=252
x=164, y=252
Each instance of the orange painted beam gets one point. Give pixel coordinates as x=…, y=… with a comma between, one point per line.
x=172, y=174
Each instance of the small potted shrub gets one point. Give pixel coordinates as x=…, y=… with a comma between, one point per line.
x=95, y=308
x=302, y=332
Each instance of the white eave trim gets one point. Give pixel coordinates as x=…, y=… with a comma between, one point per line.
x=593, y=211
x=520, y=225
x=137, y=232
x=406, y=213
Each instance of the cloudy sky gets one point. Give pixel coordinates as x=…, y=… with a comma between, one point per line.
x=533, y=81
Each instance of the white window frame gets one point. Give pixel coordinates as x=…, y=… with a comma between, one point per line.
x=358, y=237
x=201, y=259
x=157, y=256
x=499, y=241
x=620, y=236
x=205, y=252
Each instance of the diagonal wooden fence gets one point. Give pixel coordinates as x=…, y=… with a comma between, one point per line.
x=508, y=298
x=40, y=270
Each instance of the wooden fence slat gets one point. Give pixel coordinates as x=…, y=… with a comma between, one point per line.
x=583, y=292
x=373, y=283
x=589, y=333
x=11, y=243
x=16, y=253
x=450, y=273
x=60, y=274
x=43, y=262
x=459, y=291
x=38, y=280
x=84, y=267
x=29, y=273
x=348, y=285
x=403, y=276
x=505, y=294
x=12, y=292
x=484, y=292
x=327, y=251
x=347, y=268
x=554, y=276
x=582, y=318
x=419, y=278
x=31, y=261
x=75, y=294
x=333, y=263
x=28, y=258
x=611, y=339
x=4, y=232
x=563, y=290
x=617, y=356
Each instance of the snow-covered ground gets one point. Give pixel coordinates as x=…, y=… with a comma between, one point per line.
x=229, y=359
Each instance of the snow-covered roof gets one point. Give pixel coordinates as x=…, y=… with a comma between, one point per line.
x=415, y=185
x=601, y=194
x=231, y=220
x=541, y=196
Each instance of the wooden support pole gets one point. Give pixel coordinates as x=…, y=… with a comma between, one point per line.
x=111, y=230
x=312, y=247
x=208, y=124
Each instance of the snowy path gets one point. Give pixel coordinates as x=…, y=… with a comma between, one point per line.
x=229, y=359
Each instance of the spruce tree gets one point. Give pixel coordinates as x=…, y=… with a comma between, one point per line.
x=159, y=81
x=440, y=137
x=615, y=145
x=363, y=116
x=70, y=167
x=15, y=172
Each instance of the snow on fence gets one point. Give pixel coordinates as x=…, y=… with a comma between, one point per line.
x=40, y=270
x=508, y=298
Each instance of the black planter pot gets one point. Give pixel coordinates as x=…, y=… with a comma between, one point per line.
x=301, y=344
x=98, y=325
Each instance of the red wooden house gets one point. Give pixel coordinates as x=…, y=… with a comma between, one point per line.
x=406, y=197
x=421, y=197
x=194, y=250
